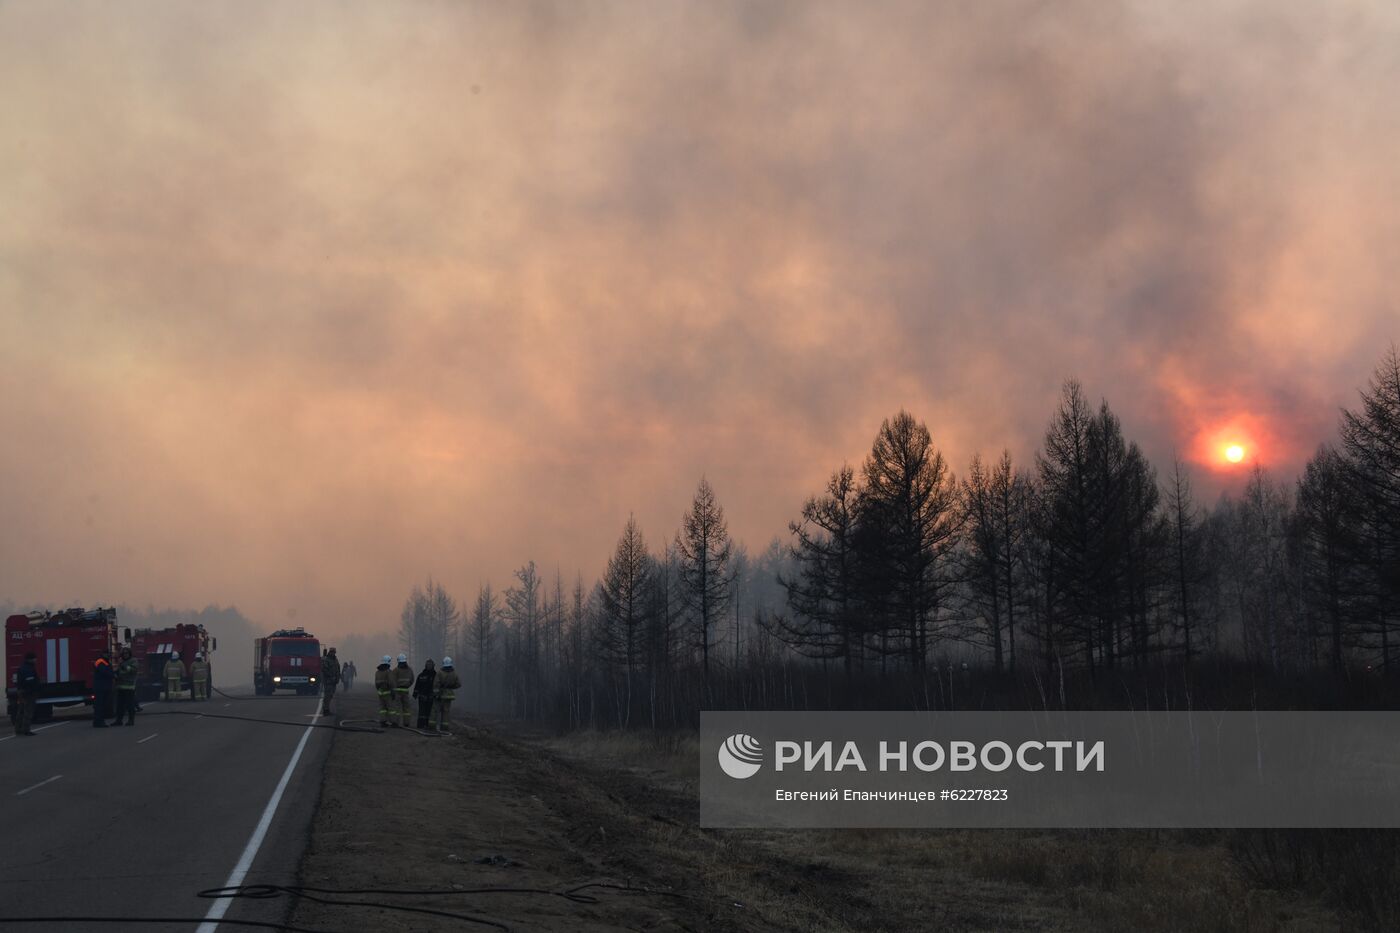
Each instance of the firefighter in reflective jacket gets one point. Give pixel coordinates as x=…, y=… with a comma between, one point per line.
x=174, y=676
x=128, y=671
x=447, y=685
x=199, y=677
x=384, y=686
x=403, y=684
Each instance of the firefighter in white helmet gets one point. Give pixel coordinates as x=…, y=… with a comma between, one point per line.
x=174, y=676
x=448, y=683
x=199, y=677
x=403, y=685
x=384, y=686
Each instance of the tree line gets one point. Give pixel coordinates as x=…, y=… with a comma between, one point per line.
x=899, y=582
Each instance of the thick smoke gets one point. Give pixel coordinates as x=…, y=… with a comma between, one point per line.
x=298, y=303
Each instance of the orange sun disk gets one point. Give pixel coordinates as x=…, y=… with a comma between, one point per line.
x=1234, y=453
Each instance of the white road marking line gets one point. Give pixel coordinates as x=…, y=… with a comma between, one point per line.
x=148, y=738
x=53, y=725
x=37, y=786
x=250, y=852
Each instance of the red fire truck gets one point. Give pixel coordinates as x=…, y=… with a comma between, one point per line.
x=288, y=659
x=152, y=648
x=65, y=645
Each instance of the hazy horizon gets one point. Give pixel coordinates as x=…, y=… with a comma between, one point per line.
x=300, y=304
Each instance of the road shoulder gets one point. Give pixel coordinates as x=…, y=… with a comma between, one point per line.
x=481, y=810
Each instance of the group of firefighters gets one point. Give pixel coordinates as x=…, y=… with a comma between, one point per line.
x=433, y=689
x=124, y=677
x=105, y=678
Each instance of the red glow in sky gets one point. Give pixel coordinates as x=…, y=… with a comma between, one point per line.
x=1234, y=443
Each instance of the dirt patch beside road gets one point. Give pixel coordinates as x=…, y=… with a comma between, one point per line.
x=400, y=811
x=499, y=806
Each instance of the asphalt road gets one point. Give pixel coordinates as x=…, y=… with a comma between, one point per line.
x=132, y=821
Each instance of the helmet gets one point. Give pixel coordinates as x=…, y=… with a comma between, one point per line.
x=386, y=660
x=199, y=655
x=446, y=662
x=174, y=655
x=403, y=659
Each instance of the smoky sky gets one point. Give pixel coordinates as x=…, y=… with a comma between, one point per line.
x=300, y=303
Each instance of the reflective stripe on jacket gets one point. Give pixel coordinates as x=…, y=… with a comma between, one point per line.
x=403, y=678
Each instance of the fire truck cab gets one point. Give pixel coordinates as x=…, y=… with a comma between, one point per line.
x=65, y=645
x=288, y=659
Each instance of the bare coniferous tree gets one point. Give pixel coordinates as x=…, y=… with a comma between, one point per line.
x=439, y=621
x=554, y=662
x=823, y=593
x=1011, y=514
x=1371, y=440
x=741, y=572
x=909, y=526
x=1103, y=535
x=1187, y=548
x=576, y=654
x=481, y=633
x=983, y=556
x=1326, y=524
x=1263, y=514
x=625, y=596
x=704, y=549
x=413, y=621
x=522, y=609
x=660, y=635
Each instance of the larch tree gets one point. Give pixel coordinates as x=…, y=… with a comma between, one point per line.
x=1371, y=442
x=481, y=635
x=625, y=595
x=704, y=548
x=909, y=524
x=823, y=593
x=1327, y=525
x=1187, y=559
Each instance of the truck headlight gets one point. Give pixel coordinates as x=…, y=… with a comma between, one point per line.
x=313, y=680
x=277, y=680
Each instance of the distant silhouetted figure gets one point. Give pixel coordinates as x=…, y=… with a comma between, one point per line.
x=27, y=685
x=423, y=691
